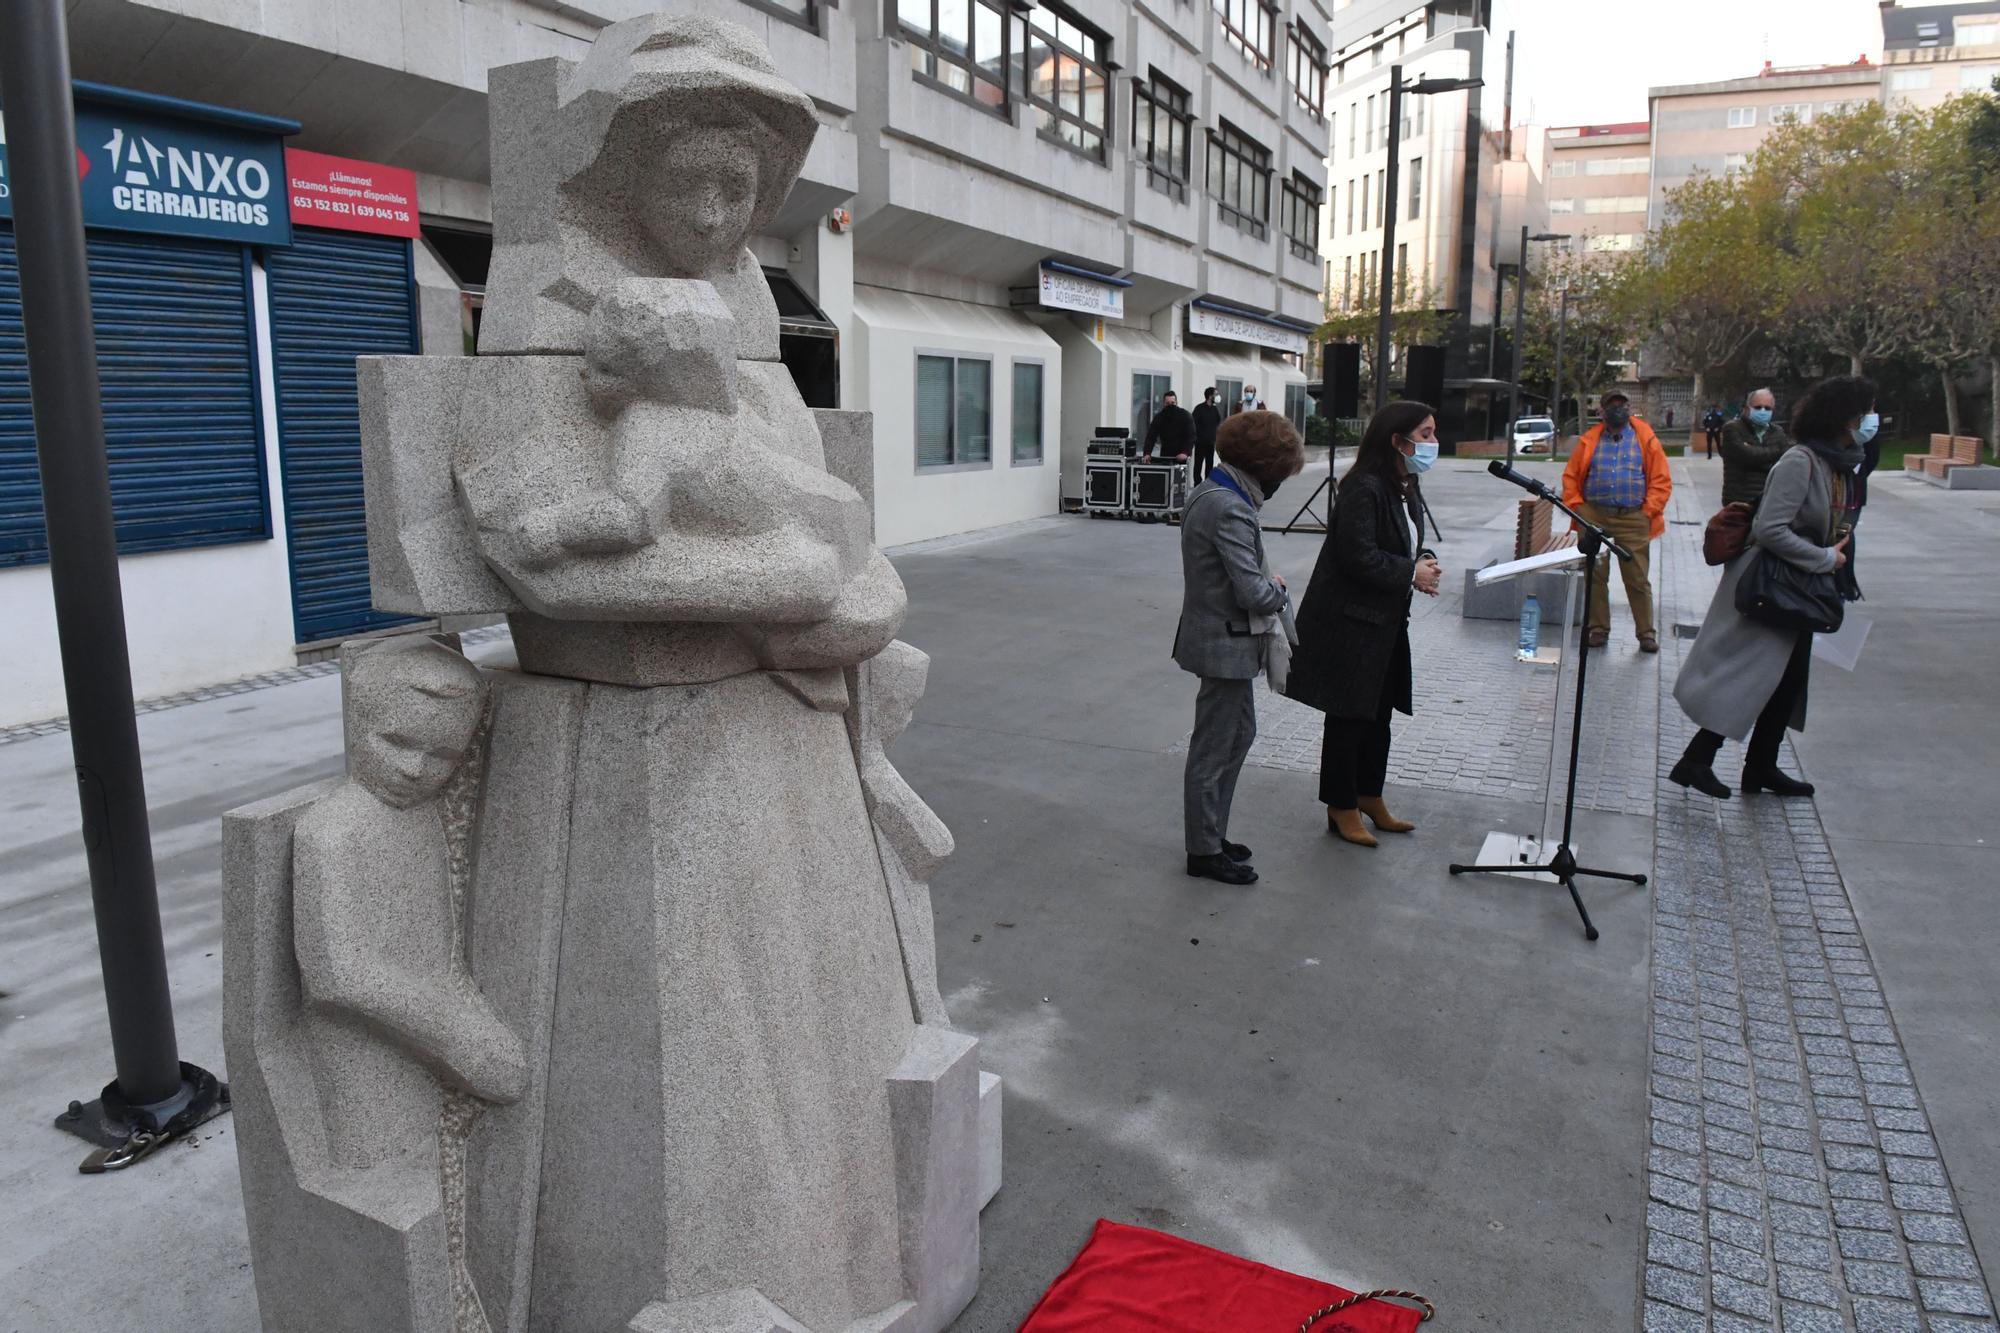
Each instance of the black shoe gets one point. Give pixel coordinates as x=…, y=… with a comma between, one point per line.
x=1701, y=777
x=1774, y=781
x=1217, y=866
x=1236, y=851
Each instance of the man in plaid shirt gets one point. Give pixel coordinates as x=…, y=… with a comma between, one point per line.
x=1618, y=478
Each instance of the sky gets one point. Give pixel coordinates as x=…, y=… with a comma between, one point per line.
x=1579, y=64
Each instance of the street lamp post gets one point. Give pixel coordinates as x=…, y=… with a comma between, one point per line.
x=1389, y=202
x=1520, y=305
x=155, y=1096
x=1562, y=329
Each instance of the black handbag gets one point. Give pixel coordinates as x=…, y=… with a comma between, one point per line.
x=1775, y=592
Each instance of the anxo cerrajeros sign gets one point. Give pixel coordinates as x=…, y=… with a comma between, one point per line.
x=142, y=171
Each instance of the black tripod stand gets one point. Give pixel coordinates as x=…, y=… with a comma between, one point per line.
x=1322, y=526
x=1591, y=540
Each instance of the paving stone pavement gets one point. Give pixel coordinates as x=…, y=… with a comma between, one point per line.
x=1793, y=1181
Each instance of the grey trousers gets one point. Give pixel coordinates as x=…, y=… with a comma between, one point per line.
x=1225, y=723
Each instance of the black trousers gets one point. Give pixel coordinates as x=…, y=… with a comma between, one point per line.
x=1769, y=732
x=1354, y=755
x=1204, y=459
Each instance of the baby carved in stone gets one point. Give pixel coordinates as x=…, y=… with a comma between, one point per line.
x=390, y=1010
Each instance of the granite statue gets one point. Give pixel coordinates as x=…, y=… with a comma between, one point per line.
x=603, y=994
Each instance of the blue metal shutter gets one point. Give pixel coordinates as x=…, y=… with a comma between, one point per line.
x=334, y=296
x=181, y=422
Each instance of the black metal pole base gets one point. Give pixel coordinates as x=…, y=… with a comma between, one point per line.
x=125, y=1133
x=1564, y=867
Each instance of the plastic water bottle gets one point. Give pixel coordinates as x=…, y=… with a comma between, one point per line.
x=1531, y=626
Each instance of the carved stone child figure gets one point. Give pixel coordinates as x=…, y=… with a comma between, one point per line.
x=390, y=1011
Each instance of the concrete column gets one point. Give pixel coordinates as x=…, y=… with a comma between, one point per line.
x=439, y=305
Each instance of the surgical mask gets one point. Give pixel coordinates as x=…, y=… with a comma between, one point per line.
x=1426, y=455
x=1760, y=416
x=1866, y=430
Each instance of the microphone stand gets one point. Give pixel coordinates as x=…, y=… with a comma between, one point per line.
x=1591, y=540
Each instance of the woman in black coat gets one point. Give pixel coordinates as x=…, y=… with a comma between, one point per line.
x=1353, y=658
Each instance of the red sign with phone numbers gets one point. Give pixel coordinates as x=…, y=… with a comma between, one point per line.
x=343, y=193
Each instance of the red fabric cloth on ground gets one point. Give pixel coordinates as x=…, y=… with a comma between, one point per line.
x=1131, y=1280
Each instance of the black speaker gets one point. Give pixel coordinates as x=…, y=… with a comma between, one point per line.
x=1423, y=374
x=1342, y=397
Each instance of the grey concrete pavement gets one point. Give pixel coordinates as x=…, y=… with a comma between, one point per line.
x=1908, y=766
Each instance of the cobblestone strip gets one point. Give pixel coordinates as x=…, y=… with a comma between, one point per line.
x=243, y=685
x=1792, y=1178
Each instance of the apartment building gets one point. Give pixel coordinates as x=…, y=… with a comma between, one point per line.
x=1451, y=146
x=1713, y=128
x=1017, y=224
x=1598, y=182
x=1936, y=52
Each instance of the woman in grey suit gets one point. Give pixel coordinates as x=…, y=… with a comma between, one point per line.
x=1232, y=629
x=1743, y=677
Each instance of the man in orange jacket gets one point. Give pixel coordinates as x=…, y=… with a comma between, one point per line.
x=1618, y=478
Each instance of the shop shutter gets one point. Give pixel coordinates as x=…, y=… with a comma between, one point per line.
x=181, y=422
x=334, y=296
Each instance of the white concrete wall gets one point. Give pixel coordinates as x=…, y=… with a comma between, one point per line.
x=192, y=618
x=912, y=505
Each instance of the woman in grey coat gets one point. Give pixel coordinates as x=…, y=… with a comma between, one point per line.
x=1743, y=677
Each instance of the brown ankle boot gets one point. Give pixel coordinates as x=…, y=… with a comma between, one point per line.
x=1378, y=815
x=1347, y=823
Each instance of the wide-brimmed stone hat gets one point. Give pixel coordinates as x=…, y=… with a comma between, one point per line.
x=646, y=82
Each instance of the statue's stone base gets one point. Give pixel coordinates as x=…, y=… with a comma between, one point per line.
x=678, y=903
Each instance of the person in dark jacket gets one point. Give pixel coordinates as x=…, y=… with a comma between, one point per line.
x=1741, y=676
x=1353, y=658
x=1711, y=427
x=1207, y=420
x=1172, y=430
x=1233, y=613
x=1750, y=445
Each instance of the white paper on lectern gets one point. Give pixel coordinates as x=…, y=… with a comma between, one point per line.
x=1567, y=555
x=1843, y=647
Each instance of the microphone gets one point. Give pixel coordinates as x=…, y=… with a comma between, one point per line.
x=1499, y=468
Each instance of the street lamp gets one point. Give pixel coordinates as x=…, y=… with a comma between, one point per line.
x=1421, y=88
x=1520, y=303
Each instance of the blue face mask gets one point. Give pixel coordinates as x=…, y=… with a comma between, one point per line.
x=1426, y=454
x=1760, y=416
x=1866, y=430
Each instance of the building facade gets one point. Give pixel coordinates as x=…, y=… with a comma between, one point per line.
x=1016, y=225
x=1713, y=128
x=1936, y=52
x=1598, y=181
x=1451, y=151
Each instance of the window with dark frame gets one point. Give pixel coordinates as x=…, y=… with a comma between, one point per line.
x=1239, y=176
x=1068, y=80
x=954, y=411
x=1161, y=127
x=805, y=13
x=1251, y=27
x=1301, y=215
x=1026, y=425
x=961, y=47
x=1308, y=70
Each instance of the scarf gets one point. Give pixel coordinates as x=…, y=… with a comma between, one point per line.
x=1844, y=460
x=1278, y=631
